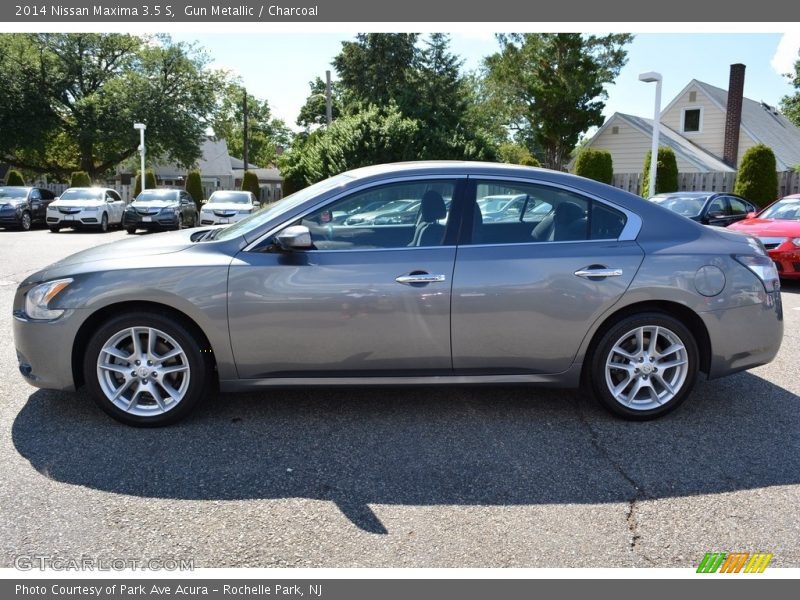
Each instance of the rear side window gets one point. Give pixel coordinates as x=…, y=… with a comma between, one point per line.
x=511, y=212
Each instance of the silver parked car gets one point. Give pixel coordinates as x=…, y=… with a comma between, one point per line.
x=604, y=290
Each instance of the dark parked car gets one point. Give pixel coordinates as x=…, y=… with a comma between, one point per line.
x=710, y=208
x=605, y=290
x=160, y=209
x=21, y=207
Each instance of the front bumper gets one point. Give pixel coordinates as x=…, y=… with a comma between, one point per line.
x=79, y=219
x=156, y=221
x=10, y=217
x=787, y=260
x=214, y=219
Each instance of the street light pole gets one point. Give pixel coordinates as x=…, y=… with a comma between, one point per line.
x=141, y=127
x=651, y=77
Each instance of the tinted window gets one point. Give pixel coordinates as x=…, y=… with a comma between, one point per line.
x=35, y=195
x=738, y=207
x=717, y=206
x=539, y=213
x=391, y=216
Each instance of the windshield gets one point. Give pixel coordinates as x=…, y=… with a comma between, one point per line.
x=282, y=206
x=683, y=205
x=156, y=195
x=13, y=192
x=83, y=194
x=787, y=209
x=229, y=197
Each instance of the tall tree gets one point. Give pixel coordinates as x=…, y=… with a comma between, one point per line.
x=376, y=68
x=554, y=85
x=314, y=111
x=790, y=105
x=76, y=97
x=266, y=134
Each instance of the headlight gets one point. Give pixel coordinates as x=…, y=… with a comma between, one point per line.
x=37, y=299
x=207, y=211
x=52, y=208
x=764, y=269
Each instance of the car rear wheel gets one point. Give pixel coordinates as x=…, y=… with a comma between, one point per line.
x=25, y=221
x=645, y=366
x=145, y=369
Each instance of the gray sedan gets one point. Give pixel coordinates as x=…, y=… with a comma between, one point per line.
x=602, y=289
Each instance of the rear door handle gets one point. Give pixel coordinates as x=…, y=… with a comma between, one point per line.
x=593, y=272
x=420, y=278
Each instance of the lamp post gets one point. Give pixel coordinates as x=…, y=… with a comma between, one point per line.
x=651, y=77
x=141, y=127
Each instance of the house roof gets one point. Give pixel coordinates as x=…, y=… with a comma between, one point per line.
x=214, y=162
x=760, y=121
x=271, y=174
x=704, y=161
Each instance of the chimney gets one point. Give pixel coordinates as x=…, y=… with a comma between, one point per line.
x=733, y=115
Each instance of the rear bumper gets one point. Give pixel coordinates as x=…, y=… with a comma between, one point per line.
x=744, y=337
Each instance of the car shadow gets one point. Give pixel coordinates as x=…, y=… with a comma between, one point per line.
x=433, y=446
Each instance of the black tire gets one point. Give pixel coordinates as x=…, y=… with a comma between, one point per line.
x=104, y=223
x=648, y=384
x=146, y=411
x=130, y=230
x=54, y=228
x=25, y=221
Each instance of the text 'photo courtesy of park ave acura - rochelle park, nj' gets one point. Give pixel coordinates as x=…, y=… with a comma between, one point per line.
x=465, y=298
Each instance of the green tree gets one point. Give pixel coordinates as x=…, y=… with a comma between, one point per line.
x=595, y=164
x=375, y=135
x=790, y=105
x=14, y=177
x=76, y=96
x=757, y=179
x=194, y=185
x=376, y=69
x=553, y=85
x=314, y=111
x=250, y=184
x=516, y=154
x=80, y=179
x=149, y=180
x=666, y=172
x=265, y=133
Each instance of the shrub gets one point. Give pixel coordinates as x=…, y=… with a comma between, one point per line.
x=595, y=164
x=194, y=186
x=80, y=179
x=14, y=177
x=666, y=172
x=757, y=179
x=516, y=154
x=149, y=179
x=250, y=184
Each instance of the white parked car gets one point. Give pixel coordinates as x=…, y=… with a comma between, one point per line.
x=86, y=207
x=226, y=207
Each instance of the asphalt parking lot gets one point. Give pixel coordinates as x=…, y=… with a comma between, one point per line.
x=459, y=477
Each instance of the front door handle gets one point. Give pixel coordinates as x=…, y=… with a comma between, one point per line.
x=412, y=278
x=592, y=272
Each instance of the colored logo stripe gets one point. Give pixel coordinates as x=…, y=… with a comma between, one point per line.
x=734, y=563
x=758, y=563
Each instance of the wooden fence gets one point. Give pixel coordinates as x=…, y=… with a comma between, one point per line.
x=788, y=182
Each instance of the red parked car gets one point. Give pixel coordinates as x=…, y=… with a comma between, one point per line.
x=778, y=228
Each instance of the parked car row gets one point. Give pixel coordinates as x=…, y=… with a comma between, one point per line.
x=777, y=226
x=99, y=208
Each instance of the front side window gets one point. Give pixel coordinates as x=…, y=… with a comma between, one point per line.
x=408, y=214
x=524, y=213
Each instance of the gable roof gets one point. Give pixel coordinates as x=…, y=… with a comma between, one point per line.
x=704, y=161
x=764, y=123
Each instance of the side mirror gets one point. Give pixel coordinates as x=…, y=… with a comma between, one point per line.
x=296, y=237
x=751, y=215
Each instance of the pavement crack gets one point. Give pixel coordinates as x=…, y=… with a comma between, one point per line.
x=631, y=515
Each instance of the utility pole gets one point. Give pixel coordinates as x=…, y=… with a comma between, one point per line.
x=328, y=106
x=246, y=140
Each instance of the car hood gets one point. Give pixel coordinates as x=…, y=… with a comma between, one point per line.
x=768, y=227
x=78, y=202
x=227, y=206
x=153, y=203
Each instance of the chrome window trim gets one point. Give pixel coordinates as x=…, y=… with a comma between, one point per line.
x=353, y=190
x=630, y=232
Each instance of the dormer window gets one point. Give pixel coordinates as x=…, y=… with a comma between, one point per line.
x=692, y=120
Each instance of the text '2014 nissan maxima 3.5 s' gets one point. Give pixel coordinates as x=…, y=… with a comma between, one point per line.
x=586, y=286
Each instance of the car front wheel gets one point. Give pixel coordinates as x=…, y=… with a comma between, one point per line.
x=104, y=223
x=26, y=221
x=145, y=369
x=645, y=366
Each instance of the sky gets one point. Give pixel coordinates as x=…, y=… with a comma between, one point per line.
x=278, y=66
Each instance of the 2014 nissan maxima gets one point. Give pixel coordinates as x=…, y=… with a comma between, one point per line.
x=589, y=285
